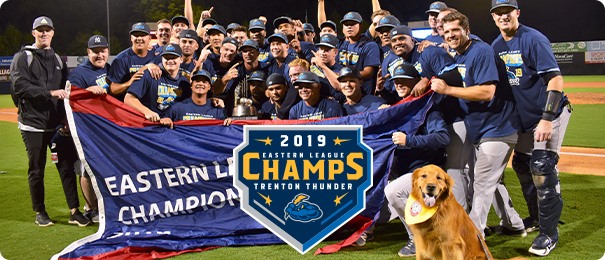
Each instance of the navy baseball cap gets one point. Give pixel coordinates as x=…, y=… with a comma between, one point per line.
x=404, y=71
x=349, y=72
x=217, y=27
x=258, y=75
x=232, y=26
x=308, y=27
x=328, y=23
x=307, y=77
x=209, y=21
x=140, y=27
x=173, y=49
x=436, y=7
x=42, y=21
x=401, y=30
x=278, y=36
x=501, y=3
x=280, y=20
x=249, y=43
x=275, y=79
x=388, y=21
x=179, y=19
x=201, y=74
x=256, y=24
x=352, y=16
x=188, y=33
x=230, y=40
x=97, y=41
x=328, y=40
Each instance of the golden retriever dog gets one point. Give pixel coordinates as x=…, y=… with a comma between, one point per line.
x=449, y=233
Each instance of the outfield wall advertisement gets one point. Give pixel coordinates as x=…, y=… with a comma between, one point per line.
x=580, y=58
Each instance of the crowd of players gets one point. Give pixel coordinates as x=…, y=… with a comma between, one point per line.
x=491, y=99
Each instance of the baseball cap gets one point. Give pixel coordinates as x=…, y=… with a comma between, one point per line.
x=232, y=26
x=201, y=74
x=436, y=7
x=388, y=21
x=256, y=24
x=328, y=40
x=140, y=27
x=278, y=36
x=329, y=24
x=208, y=21
x=217, y=27
x=173, y=49
x=308, y=27
x=275, y=79
x=404, y=71
x=258, y=75
x=42, y=21
x=249, y=43
x=352, y=16
x=349, y=72
x=188, y=33
x=230, y=40
x=280, y=20
x=179, y=19
x=401, y=30
x=306, y=77
x=501, y=3
x=97, y=41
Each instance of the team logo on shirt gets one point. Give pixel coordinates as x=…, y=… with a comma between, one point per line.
x=462, y=71
x=394, y=65
x=102, y=82
x=263, y=57
x=418, y=67
x=167, y=94
x=513, y=61
x=348, y=58
x=317, y=71
x=303, y=182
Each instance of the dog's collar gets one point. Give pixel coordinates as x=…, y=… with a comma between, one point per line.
x=416, y=212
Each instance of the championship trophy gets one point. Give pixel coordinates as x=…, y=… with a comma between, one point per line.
x=243, y=108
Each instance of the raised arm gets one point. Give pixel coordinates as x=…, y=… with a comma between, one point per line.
x=189, y=13
x=321, y=12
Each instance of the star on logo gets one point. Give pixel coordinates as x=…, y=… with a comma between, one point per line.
x=267, y=199
x=337, y=200
x=267, y=141
x=337, y=141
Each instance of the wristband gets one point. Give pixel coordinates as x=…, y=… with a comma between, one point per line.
x=553, y=98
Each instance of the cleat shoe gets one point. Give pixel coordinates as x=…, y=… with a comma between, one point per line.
x=361, y=240
x=93, y=215
x=78, y=219
x=543, y=244
x=531, y=225
x=408, y=250
x=506, y=231
x=43, y=220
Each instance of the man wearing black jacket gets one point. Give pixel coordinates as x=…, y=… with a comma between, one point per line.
x=38, y=77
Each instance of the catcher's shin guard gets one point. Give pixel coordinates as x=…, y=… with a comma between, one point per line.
x=521, y=167
x=543, y=167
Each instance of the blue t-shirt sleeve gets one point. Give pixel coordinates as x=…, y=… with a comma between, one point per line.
x=484, y=69
x=439, y=60
x=138, y=87
x=119, y=71
x=541, y=55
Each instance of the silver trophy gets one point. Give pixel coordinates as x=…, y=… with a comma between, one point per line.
x=243, y=108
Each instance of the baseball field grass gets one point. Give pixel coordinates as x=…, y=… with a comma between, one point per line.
x=589, y=78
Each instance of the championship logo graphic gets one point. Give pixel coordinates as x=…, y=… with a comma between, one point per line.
x=303, y=182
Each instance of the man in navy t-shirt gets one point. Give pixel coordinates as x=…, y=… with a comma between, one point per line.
x=326, y=67
x=357, y=102
x=277, y=88
x=384, y=27
x=313, y=106
x=257, y=32
x=291, y=29
x=537, y=85
x=130, y=64
x=153, y=96
x=433, y=12
x=491, y=120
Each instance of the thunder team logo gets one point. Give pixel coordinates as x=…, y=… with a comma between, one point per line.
x=303, y=182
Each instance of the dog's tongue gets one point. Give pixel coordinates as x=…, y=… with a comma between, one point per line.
x=429, y=201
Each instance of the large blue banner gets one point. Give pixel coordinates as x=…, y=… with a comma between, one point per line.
x=170, y=191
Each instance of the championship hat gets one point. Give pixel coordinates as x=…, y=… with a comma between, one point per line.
x=328, y=40
x=173, y=49
x=388, y=21
x=42, y=21
x=188, y=33
x=97, y=41
x=306, y=77
x=209, y=21
x=249, y=43
x=308, y=27
x=349, y=72
x=256, y=24
x=140, y=27
x=501, y=3
x=401, y=30
x=436, y=7
x=278, y=36
x=232, y=26
x=352, y=16
x=217, y=28
x=179, y=19
x=328, y=23
x=404, y=71
x=258, y=75
x=201, y=74
x=275, y=79
x=280, y=20
x=230, y=40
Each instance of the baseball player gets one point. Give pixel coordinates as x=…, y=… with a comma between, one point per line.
x=537, y=87
x=356, y=101
x=433, y=12
x=428, y=145
x=292, y=29
x=216, y=35
x=179, y=23
x=258, y=87
x=163, y=34
x=383, y=29
x=257, y=32
x=313, y=106
x=491, y=120
x=223, y=69
x=230, y=28
x=309, y=32
x=277, y=88
x=325, y=66
x=188, y=41
x=279, y=51
x=239, y=33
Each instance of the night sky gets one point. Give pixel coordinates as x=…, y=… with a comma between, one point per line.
x=559, y=20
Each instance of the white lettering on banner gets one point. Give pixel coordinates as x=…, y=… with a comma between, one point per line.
x=130, y=215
